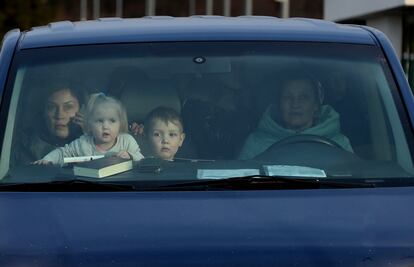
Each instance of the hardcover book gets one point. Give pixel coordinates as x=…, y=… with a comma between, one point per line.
x=102, y=167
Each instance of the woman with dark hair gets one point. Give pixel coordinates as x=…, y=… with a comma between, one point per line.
x=61, y=122
x=298, y=109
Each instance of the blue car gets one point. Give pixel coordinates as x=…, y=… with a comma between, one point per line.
x=204, y=141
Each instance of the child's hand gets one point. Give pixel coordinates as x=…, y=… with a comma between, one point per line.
x=136, y=129
x=124, y=155
x=41, y=162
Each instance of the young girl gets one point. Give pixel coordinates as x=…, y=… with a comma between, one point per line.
x=106, y=130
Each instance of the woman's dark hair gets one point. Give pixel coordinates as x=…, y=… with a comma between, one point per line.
x=55, y=86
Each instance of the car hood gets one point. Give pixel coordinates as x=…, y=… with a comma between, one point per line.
x=339, y=227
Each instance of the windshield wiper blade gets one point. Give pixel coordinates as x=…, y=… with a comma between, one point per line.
x=67, y=186
x=265, y=182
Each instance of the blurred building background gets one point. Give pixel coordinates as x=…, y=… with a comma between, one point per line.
x=393, y=17
x=25, y=14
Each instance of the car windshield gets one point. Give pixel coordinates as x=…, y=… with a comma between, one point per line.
x=205, y=110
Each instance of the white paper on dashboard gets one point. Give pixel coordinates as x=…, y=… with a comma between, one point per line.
x=227, y=173
x=81, y=159
x=294, y=171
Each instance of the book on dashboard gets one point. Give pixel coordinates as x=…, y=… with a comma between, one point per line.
x=70, y=160
x=102, y=167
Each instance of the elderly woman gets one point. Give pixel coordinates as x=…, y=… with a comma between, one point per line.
x=60, y=123
x=298, y=110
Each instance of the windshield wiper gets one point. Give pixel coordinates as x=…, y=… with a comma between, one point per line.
x=265, y=182
x=72, y=185
x=254, y=182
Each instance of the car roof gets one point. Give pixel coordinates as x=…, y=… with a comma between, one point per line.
x=195, y=28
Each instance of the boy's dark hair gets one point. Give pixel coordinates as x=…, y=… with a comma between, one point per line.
x=166, y=115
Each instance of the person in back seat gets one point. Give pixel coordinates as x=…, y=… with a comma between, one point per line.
x=105, y=134
x=60, y=122
x=163, y=128
x=216, y=119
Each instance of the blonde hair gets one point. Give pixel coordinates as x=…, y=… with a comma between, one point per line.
x=99, y=99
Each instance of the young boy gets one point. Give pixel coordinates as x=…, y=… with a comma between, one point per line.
x=163, y=128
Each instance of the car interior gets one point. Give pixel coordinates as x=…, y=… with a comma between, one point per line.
x=222, y=98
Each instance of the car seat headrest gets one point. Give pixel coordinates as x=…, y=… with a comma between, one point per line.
x=140, y=99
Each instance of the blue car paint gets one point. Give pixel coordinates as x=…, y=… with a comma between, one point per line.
x=347, y=227
x=397, y=70
x=7, y=51
x=344, y=227
x=192, y=29
x=9, y=46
